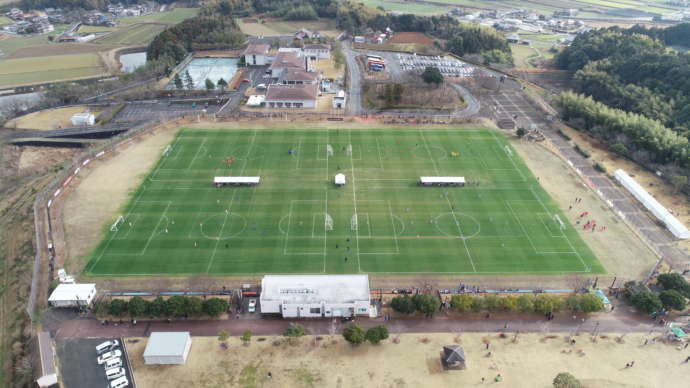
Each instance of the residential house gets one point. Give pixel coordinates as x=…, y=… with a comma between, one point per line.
x=291, y=96
x=256, y=54
x=317, y=51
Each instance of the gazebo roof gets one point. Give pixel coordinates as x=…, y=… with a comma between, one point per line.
x=453, y=354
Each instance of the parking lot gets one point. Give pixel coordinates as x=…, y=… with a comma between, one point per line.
x=78, y=364
x=449, y=66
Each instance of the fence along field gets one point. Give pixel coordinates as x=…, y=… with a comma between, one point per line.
x=381, y=221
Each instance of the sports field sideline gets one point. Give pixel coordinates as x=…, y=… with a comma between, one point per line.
x=178, y=222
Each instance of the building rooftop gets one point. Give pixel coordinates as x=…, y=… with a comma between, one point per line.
x=288, y=59
x=72, y=292
x=315, y=288
x=292, y=92
x=257, y=49
x=166, y=343
x=317, y=46
x=300, y=75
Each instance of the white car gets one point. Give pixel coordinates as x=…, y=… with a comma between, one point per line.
x=119, y=383
x=107, y=356
x=252, y=305
x=107, y=346
x=114, y=373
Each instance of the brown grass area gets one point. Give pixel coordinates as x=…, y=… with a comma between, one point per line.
x=328, y=69
x=411, y=38
x=48, y=119
x=413, y=360
x=58, y=49
x=657, y=187
x=417, y=95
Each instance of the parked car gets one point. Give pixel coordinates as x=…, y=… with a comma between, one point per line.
x=113, y=363
x=261, y=86
x=246, y=81
x=107, y=346
x=114, y=373
x=252, y=305
x=107, y=356
x=119, y=383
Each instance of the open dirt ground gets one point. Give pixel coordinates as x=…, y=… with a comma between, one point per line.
x=660, y=189
x=414, y=361
x=48, y=119
x=37, y=158
x=618, y=249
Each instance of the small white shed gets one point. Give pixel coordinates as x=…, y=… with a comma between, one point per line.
x=167, y=348
x=82, y=119
x=72, y=295
x=339, y=100
x=340, y=180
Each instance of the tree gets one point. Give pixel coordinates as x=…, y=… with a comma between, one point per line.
x=175, y=306
x=525, y=303
x=463, y=302
x=672, y=299
x=509, y=303
x=619, y=149
x=222, y=84
x=679, y=181
x=194, y=306
x=101, y=309
x=117, y=307
x=492, y=303
x=427, y=304
x=178, y=81
x=521, y=132
x=246, y=336
x=590, y=303
x=215, y=306
x=647, y=302
x=223, y=335
x=566, y=380
x=376, y=334
x=674, y=281
x=157, y=307
x=209, y=84
x=136, y=307
x=398, y=92
x=354, y=334
x=403, y=304
x=432, y=75
x=294, y=330
x=188, y=81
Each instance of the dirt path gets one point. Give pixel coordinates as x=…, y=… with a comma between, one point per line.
x=413, y=360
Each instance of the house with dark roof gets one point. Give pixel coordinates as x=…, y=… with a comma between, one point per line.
x=256, y=54
x=298, y=77
x=291, y=96
x=317, y=51
x=287, y=60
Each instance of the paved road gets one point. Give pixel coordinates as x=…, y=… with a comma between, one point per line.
x=513, y=102
x=354, y=105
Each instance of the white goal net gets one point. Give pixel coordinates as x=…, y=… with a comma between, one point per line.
x=560, y=223
x=348, y=150
x=328, y=222
x=354, y=225
x=116, y=225
x=508, y=151
x=166, y=151
x=329, y=150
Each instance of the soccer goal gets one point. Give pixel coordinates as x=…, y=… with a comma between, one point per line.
x=328, y=222
x=116, y=225
x=348, y=150
x=559, y=222
x=354, y=225
x=508, y=151
x=166, y=151
x=329, y=150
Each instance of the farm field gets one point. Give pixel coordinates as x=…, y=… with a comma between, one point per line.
x=268, y=28
x=381, y=222
x=409, y=7
x=24, y=71
x=136, y=34
x=168, y=17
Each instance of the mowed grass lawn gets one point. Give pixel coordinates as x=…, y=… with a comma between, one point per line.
x=137, y=34
x=23, y=71
x=381, y=221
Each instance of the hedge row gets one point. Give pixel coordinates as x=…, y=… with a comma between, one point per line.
x=174, y=306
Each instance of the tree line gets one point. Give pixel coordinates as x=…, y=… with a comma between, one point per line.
x=175, y=306
x=675, y=291
x=542, y=303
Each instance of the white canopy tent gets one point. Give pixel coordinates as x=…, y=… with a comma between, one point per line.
x=674, y=226
x=72, y=295
x=340, y=179
x=236, y=180
x=442, y=180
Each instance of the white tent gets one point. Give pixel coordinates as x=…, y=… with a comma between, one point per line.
x=236, y=180
x=72, y=295
x=85, y=118
x=676, y=227
x=255, y=100
x=340, y=179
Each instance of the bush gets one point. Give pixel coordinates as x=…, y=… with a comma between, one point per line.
x=136, y=307
x=600, y=167
x=462, y=302
x=619, y=149
x=223, y=335
x=376, y=334
x=432, y=75
x=246, y=336
x=157, y=307
x=590, y=303
x=647, y=302
x=427, y=304
x=566, y=380
x=175, y=306
x=294, y=330
x=525, y=303
x=582, y=151
x=565, y=135
x=215, y=306
x=403, y=304
x=117, y=307
x=672, y=299
x=521, y=132
x=354, y=334
x=674, y=281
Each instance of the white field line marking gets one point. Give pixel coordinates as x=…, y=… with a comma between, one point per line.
x=587, y=269
x=378, y=149
x=160, y=165
x=375, y=272
x=299, y=148
x=553, y=235
x=395, y=232
x=354, y=202
x=464, y=242
x=498, y=143
x=325, y=233
x=196, y=154
x=313, y=224
x=229, y=208
x=155, y=229
x=129, y=229
x=287, y=232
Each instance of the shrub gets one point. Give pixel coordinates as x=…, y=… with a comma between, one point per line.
x=600, y=167
x=223, y=335
x=117, y=307
x=157, y=307
x=136, y=307
x=403, y=304
x=354, y=334
x=582, y=151
x=525, y=303
x=294, y=330
x=376, y=334
x=462, y=302
x=427, y=304
x=674, y=281
x=619, y=149
x=566, y=380
x=246, y=336
x=215, y=306
x=672, y=299
x=646, y=302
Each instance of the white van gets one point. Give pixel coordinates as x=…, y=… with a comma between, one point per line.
x=114, y=373
x=113, y=363
x=119, y=383
x=106, y=346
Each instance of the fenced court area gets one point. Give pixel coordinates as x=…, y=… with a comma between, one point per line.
x=381, y=221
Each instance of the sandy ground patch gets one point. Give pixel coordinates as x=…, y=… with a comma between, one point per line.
x=103, y=189
x=618, y=249
x=532, y=362
x=48, y=119
x=36, y=158
x=328, y=69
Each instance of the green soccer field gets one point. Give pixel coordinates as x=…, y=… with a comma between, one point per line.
x=381, y=222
